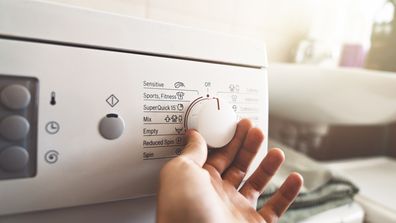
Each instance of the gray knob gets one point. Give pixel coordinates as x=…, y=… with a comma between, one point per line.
x=15, y=96
x=14, y=158
x=111, y=126
x=14, y=127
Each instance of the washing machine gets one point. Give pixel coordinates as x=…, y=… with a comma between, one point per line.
x=93, y=104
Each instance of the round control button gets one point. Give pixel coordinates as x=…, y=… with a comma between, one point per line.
x=14, y=127
x=15, y=96
x=215, y=120
x=111, y=126
x=14, y=158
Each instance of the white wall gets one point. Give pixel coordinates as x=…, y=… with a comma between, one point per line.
x=280, y=23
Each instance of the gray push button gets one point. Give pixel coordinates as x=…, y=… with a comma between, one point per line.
x=111, y=126
x=18, y=126
x=14, y=127
x=14, y=158
x=15, y=96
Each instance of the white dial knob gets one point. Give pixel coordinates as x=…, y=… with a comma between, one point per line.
x=214, y=119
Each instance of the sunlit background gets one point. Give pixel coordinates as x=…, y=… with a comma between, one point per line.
x=284, y=25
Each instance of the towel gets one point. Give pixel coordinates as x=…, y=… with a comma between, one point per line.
x=323, y=190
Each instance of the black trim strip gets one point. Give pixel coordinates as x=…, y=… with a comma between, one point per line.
x=86, y=46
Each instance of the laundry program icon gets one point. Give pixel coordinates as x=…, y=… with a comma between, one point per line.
x=179, y=84
x=180, y=107
x=234, y=98
x=180, y=95
x=174, y=118
x=235, y=107
x=179, y=130
x=179, y=140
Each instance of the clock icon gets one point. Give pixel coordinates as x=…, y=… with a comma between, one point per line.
x=52, y=127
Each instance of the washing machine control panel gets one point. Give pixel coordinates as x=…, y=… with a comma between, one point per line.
x=81, y=126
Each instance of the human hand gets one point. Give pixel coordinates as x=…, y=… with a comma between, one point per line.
x=197, y=187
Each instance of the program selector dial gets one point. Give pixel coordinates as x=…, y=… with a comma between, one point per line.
x=214, y=119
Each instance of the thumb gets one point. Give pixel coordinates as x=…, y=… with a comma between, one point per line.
x=196, y=149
